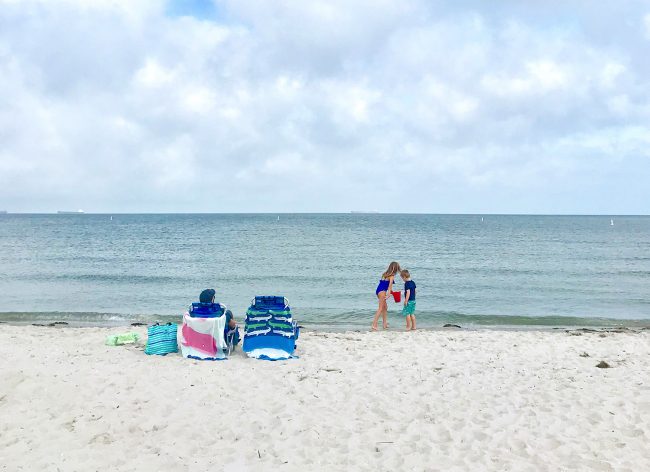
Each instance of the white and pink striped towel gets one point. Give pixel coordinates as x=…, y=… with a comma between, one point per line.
x=202, y=338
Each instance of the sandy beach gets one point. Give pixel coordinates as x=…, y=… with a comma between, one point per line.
x=428, y=400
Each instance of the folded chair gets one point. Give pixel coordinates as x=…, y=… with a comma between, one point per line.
x=270, y=331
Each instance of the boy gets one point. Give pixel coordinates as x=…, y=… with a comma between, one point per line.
x=409, y=300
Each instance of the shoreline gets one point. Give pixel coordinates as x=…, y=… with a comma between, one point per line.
x=308, y=327
x=426, y=321
x=423, y=400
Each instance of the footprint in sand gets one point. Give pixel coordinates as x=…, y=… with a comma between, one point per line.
x=103, y=438
x=70, y=424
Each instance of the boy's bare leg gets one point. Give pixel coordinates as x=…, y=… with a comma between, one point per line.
x=408, y=323
x=412, y=322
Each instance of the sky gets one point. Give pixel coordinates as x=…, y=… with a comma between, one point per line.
x=415, y=106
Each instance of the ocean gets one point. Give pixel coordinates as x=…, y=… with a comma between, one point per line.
x=472, y=270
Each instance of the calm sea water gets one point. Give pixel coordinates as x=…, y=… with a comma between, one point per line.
x=502, y=270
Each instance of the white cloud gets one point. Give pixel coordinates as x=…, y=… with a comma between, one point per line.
x=153, y=75
x=619, y=105
x=198, y=99
x=537, y=77
x=173, y=166
x=547, y=75
x=99, y=97
x=611, y=72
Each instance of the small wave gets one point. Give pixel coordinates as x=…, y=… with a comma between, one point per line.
x=336, y=320
x=83, y=318
x=116, y=278
x=103, y=278
x=439, y=318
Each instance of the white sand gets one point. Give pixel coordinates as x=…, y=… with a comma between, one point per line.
x=444, y=400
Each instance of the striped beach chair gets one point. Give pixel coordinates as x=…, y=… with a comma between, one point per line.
x=270, y=331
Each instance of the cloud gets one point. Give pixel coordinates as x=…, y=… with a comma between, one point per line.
x=297, y=106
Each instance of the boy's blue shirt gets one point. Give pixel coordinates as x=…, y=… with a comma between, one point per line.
x=410, y=285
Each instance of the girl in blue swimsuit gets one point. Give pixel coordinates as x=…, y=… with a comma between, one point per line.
x=383, y=289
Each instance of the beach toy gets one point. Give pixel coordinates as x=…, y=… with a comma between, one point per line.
x=397, y=296
x=120, y=339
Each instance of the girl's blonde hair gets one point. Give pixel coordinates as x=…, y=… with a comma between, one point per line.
x=393, y=268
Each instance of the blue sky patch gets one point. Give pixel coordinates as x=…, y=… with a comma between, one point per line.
x=201, y=9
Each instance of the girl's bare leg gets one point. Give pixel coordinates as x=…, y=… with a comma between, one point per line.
x=382, y=297
x=384, y=315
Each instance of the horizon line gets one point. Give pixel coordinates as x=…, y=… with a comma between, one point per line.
x=355, y=213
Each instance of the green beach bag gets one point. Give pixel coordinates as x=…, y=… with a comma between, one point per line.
x=121, y=339
x=161, y=339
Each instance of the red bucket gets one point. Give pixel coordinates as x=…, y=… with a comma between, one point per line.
x=397, y=296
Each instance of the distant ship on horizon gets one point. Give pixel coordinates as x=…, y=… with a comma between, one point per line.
x=3, y=212
x=363, y=212
x=65, y=212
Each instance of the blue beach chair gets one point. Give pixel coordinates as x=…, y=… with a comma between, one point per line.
x=211, y=310
x=205, y=333
x=270, y=331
